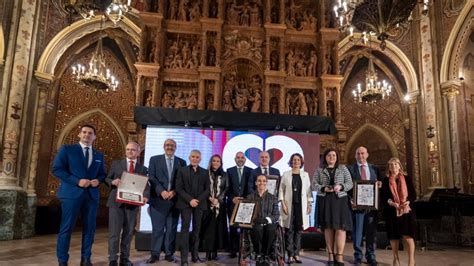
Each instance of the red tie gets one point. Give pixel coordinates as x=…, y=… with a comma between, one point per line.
x=131, y=169
x=363, y=176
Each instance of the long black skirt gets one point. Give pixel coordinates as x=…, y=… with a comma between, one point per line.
x=215, y=233
x=334, y=212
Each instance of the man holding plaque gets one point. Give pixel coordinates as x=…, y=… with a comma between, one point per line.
x=364, y=221
x=80, y=169
x=122, y=216
x=263, y=169
x=193, y=189
x=164, y=215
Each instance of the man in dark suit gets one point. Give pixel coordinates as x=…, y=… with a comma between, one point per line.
x=122, y=217
x=364, y=222
x=239, y=188
x=263, y=169
x=164, y=215
x=192, y=186
x=80, y=169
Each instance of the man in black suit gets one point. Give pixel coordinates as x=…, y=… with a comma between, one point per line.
x=193, y=188
x=263, y=169
x=239, y=188
x=122, y=217
x=164, y=215
x=364, y=222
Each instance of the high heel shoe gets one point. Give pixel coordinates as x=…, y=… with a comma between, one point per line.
x=337, y=262
x=331, y=262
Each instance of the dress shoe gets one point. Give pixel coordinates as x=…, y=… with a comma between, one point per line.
x=372, y=262
x=113, y=263
x=170, y=258
x=196, y=259
x=357, y=262
x=86, y=262
x=152, y=259
x=62, y=263
x=208, y=255
x=297, y=260
x=233, y=254
x=125, y=262
x=184, y=263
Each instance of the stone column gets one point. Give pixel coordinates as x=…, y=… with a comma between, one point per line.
x=217, y=96
x=267, y=52
x=268, y=11
x=322, y=102
x=205, y=8
x=338, y=105
x=414, y=145
x=161, y=7
x=139, y=91
x=155, y=93
x=449, y=90
x=202, y=94
x=266, y=98
x=204, y=48
x=218, y=42
x=282, y=55
x=282, y=100
x=282, y=11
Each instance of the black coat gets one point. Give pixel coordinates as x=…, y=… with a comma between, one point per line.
x=185, y=191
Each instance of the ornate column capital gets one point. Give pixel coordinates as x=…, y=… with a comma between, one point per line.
x=451, y=88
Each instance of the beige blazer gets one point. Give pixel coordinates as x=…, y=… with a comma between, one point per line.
x=286, y=195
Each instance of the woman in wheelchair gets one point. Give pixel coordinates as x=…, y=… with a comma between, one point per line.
x=265, y=225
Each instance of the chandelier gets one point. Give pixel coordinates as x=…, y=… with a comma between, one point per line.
x=374, y=89
x=382, y=18
x=96, y=75
x=117, y=10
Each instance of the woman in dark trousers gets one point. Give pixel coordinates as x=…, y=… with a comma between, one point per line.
x=215, y=231
x=398, y=195
x=332, y=182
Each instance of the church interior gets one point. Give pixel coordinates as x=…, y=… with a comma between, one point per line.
x=396, y=77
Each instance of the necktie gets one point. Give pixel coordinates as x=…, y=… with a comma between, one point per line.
x=239, y=171
x=86, y=156
x=131, y=168
x=363, y=175
x=265, y=171
x=170, y=172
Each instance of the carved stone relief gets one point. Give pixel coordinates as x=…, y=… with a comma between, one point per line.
x=300, y=63
x=244, y=13
x=242, y=46
x=182, y=54
x=301, y=102
x=300, y=17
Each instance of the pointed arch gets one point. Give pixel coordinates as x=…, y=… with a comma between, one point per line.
x=57, y=47
x=380, y=131
x=62, y=136
x=456, y=42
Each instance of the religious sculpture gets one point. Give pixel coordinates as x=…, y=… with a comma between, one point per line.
x=313, y=60
x=148, y=98
x=274, y=60
x=192, y=100
x=195, y=13
x=211, y=56
x=167, y=100
x=241, y=96
x=290, y=63
x=173, y=10
x=182, y=54
x=256, y=100
x=300, y=66
x=182, y=10
x=209, y=101
x=227, y=101
x=273, y=105
x=254, y=15
x=151, y=54
x=180, y=101
x=330, y=109
x=301, y=107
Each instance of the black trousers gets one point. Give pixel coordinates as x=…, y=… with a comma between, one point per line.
x=293, y=234
x=186, y=214
x=262, y=238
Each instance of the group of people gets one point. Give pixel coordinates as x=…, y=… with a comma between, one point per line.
x=205, y=198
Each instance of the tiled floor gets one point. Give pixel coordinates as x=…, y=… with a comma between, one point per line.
x=40, y=250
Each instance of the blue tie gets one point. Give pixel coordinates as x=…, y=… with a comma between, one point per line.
x=86, y=155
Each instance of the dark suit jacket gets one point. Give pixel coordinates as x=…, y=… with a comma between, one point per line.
x=70, y=166
x=185, y=191
x=116, y=170
x=234, y=189
x=258, y=171
x=158, y=174
x=355, y=174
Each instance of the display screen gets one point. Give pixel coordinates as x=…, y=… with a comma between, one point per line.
x=280, y=145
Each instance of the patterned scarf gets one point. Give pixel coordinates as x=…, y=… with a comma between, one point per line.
x=216, y=180
x=399, y=193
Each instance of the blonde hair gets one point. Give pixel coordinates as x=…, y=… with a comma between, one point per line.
x=394, y=160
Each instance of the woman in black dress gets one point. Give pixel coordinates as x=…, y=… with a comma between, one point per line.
x=398, y=196
x=215, y=231
x=332, y=182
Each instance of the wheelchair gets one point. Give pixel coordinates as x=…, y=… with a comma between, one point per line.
x=247, y=254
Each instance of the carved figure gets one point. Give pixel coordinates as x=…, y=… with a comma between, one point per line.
x=328, y=63
x=273, y=105
x=209, y=101
x=290, y=63
x=313, y=60
x=182, y=10
x=302, y=107
x=300, y=67
x=151, y=54
x=233, y=12
x=274, y=60
x=211, y=56
x=173, y=10
x=315, y=106
x=255, y=15
x=185, y=52
x=195, y=54
x=180, y=101
x=195, y=13
x=192, y=100
x=245, y=14
x=288, y=104
x=330, y=109
x=227, y=101
x=148, y=98
x=166, y=101
x=241, y=96
x=256, y=101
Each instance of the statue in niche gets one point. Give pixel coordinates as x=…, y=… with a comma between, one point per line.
x=300, y=66
x=309, y=103
x=151, y=54
x=182, y=10
x=233, y=12
x=330, y=109
x=255, y=15
x=211, y=56
x=227, y=101
x=313, y=60
x=213, y=9
x=173, y=10
x=241, y=96
x=315, y=104
x=273, y=105
x=301, y=106
x=185, y=52
x=293, y=12
x=209, y=101
x=290, y=63
x=245, y=14
x=308, y=21
x=180, y=101
x=167, y=100
x=192, y=100
x=168, y=60
x=229, y=81
x=148, y=98
x=174, y=48
x=195, y=13
x=195, y=54
x=327, y=67
x=255, y=48
x=289, y=104
x=256, y=100
x=274, y=60
x=275, y=15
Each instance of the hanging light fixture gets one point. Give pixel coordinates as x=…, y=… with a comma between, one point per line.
x=96, y=75
x=382, y=18
x=374, y=89
x=117, y=10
